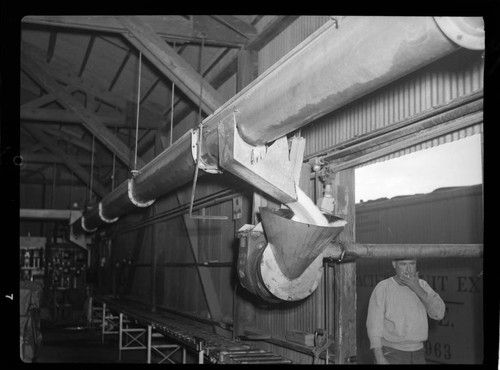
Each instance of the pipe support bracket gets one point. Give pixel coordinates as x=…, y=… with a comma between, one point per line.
x=196, y=136
x=84, y=228
x=134, y=201
x=274, y=169
x=103, y=218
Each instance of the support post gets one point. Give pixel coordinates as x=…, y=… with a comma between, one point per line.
x=154, y=260
x=344, y=284
x=244, y=310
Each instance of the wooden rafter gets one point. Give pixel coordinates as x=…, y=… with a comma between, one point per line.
x=46, y=99
x=175, y=28
x=181, y=109
x=150, y=89
x=66, y=116
x=274, y=28
x=237, y=25
x=119, y=70
x=28, y=157
x=69, y=161
x=173, y=66
x=61, y=72
x=89, y=120
x=72, y=140
x=52, y=46
x=87, y=55
x=228, y=67
x=33, y=149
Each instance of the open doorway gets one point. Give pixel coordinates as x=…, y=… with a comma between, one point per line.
x=449, y=165
x=432, y=196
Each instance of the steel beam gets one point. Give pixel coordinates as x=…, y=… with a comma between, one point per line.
x=48, y=214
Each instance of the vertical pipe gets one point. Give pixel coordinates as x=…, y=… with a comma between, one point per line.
x=54, y=172
x=344, y=274
x=120, y=337
x=149, y=345
x=154, y=260
x=103, y=322
x=327, y=305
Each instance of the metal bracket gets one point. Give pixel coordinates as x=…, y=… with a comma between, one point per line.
x=107, y=220
x=197, y=145
x=134, y=201
x=274, y=169
x=196, y=140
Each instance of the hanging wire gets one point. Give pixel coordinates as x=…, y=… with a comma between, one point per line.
x=172, y=113
x=70, y=194
x=92, y=169
x=172, y=109
x=198, y=149
x=113, y=171
x=137, y=115
x=201, y=74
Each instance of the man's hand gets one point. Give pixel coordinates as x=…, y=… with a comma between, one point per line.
x=379, y=357
x=411, y=281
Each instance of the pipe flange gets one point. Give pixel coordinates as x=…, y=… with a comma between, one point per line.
x=84, y=228
x=467, y=32
x=134, y=201
x=103, y=218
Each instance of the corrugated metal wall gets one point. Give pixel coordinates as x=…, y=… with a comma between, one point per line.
x=456, y=75
x=293, y=35
x=178, y=288
x=306, y=316
x=453, y=76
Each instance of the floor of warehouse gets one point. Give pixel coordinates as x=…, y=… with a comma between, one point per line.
x=63, y=343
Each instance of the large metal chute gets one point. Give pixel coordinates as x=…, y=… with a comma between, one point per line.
x=281, y=259
x=295, y=244
x=246, y=136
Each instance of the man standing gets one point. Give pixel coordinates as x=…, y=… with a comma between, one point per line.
x=397, y=315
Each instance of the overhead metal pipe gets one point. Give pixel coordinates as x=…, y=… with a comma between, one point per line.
x=170, y=169
x=334, y=66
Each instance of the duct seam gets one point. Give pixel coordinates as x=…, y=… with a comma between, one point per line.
x=102, y=217
x=134, y=201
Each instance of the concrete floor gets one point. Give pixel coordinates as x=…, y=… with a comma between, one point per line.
x=74, y=344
